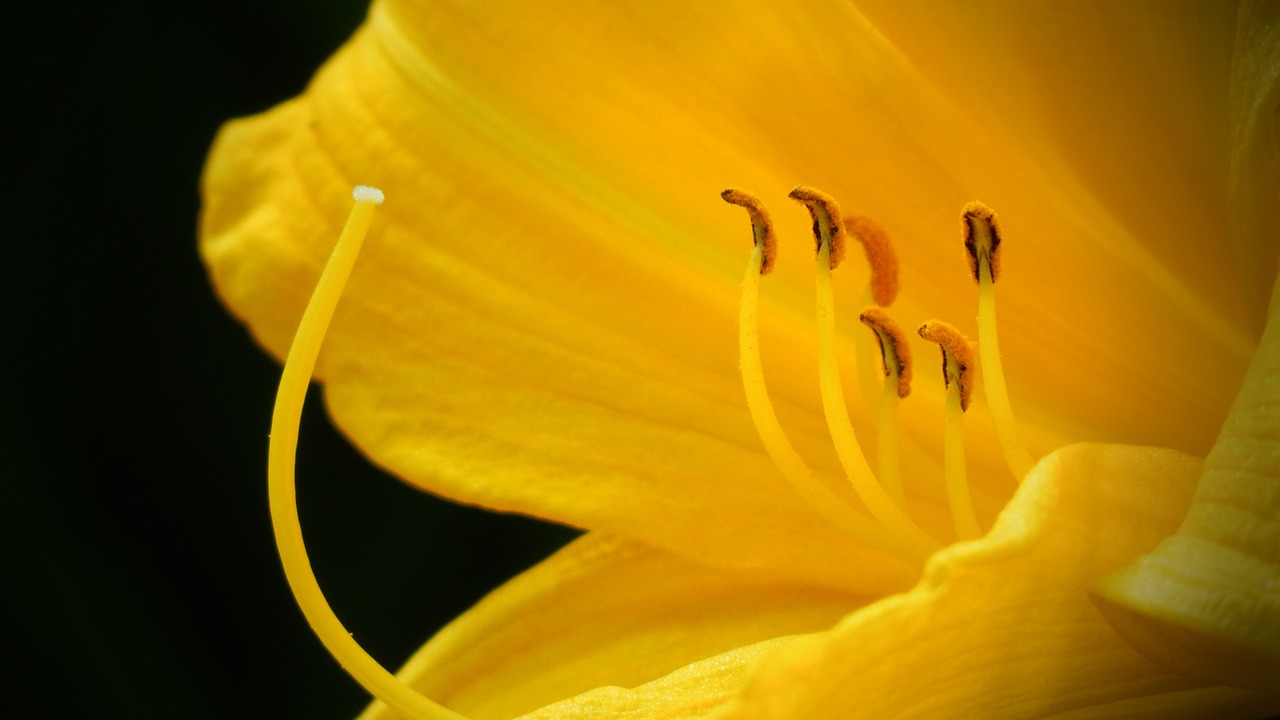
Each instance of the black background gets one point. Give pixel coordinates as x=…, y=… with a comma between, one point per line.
x=142, y=576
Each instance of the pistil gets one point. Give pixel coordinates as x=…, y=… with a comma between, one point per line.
x=294, y=380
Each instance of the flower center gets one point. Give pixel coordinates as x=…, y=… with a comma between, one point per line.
x=882, y=497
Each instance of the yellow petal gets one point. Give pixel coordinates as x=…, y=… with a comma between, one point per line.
x=1101, y=294
x=1002, y=627
x=1127, y=100
x=544, y=320
x=1123, y=106
x=700, y=690
x=605, y=612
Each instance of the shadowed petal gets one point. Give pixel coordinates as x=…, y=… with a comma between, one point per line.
x=604, y=612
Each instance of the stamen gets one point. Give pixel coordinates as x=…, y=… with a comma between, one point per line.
x=880, y=257
x=895, y=354
x=294, y=379
x=827, y=231
x=800, y=476
x=982, y=241
x=957, y=362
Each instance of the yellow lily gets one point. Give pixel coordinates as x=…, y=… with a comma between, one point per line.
x=545, y=321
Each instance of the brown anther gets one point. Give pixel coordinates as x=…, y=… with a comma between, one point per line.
x=828, y=226
x=880, y=256
x=895, y=351
x=761, y=226
x=958, y=357
x=981, y=238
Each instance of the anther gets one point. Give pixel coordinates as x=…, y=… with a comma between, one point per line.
x=981, y=239
x=880, y=257
x=895, y=352
x=828, y=227
x=761, y=226
x=958, y=358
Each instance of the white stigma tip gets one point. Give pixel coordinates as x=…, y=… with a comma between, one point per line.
x=367, y=192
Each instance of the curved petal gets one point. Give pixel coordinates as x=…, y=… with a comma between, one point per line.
x=544, y=321
x=1002, y=627
x=700, y=690
x=604, y=612
x=706, y=689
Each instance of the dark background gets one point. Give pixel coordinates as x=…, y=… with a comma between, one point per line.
x=141, y=572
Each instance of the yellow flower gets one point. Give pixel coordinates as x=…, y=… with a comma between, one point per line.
x=544, y=321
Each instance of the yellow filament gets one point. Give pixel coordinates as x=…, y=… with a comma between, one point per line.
x=887, y=441
x=1015, y=452
x=889, y=514
x=802, y=479
x=962, y=514
x=866, y=367
x=280, y=478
